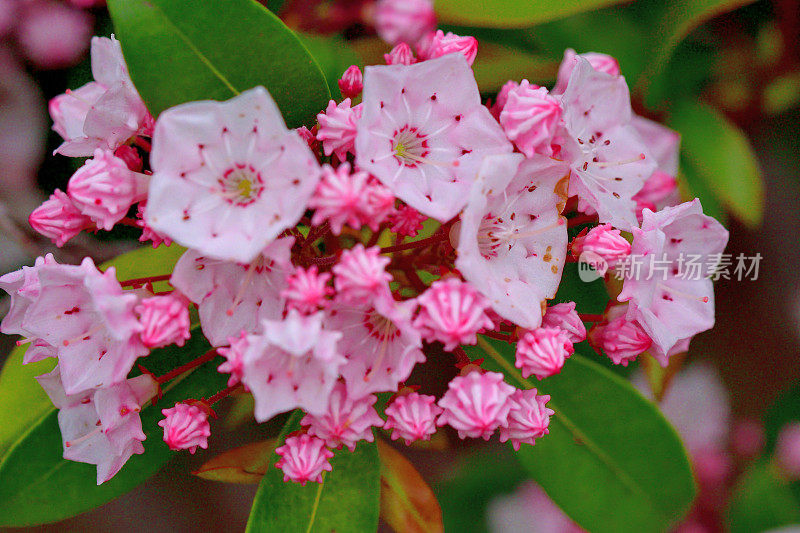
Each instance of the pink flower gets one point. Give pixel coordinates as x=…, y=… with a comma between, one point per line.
x=104, y=188
x=232, y=296
x=378, y=341
x=340, y=198
x=604, y=241
x=400, y=55
x=59, y=219
x=24, y=288
x=564, y=317
x=528, y=418
x=165, y=320
x=148, y=234
x=600, y=62
x=185, y=427
x=662, y=142
x=337, y=128
x=542, y=352
x=450, y=43
x=88, y=318
x=379, y=205
x=234, y=358
x=476, y=404
x=101, y=426
x=351, y=82
x=347, y=420
x=424, y=133
x=216, y=166
x=609, y=164
x=303, y=459
x=787, y=450
x=292, y=364
x=621, y=339
x=502, y=98
x=407, y=221
x=513, y=242
x=53, y=35
x=412, y=417
x=452, y=312
x=659, y=191
x=669, y=304
x=306, y=290
x=404, y=20
x=360, y=275
x=530, y=117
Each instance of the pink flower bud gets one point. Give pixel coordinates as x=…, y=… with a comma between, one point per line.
x=234, y=354
x=604, y=241
x=530, y=117
x=337, y=128
x=787, y=450
x=347, y=420
x=131, y=156
x=165, y=320
x=58, y=219
x=502, y=98
x=309, y=137
x=542, y=352
x=450, y=43
x=185, y=427
x=406, y=21
x=148, y=233
x=352, y=82
x=303, y=459
x=412, y=417
x=361, y=274
x=621, y=339
x=528, y=418
x=476, y=404
x=564, y=316
x=307, y=290
x=53, y=35
x=407, y=221
x=452, y=312
x=104, y=188
x=400, y=55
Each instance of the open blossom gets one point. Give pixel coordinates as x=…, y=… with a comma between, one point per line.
x=307, y=290
x=337, y=128
x=185, y=427
x=600, y=62
x=351, y=82
x=450, y=43
x=24, y=287
x=476, y=404
x=412, y=417
x=542, y=352
x=292, y=363
x=564, y=317
x=661, y=188
x=406, y=21
x=303, y=458
x=424, y=132
x=669, y=304
x=452, y=312
x=604, y=241
x=528, y=418
x=622, y=340
x=101, y=426
x=360, y=275
x=228, y=177
x=348, y=419
x=379, y=342
x=233, y=296
x=608, y=162
x=400, y=55
x=512, y=243
x=530, y=117
x=165, y=321
x=104, y=188
x=59, y=219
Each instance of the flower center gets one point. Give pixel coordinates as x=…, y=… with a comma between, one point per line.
x=409, y=146
x=380, y=326
x=241, y=185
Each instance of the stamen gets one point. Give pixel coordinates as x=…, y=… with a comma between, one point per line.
x=71, y=443
x=682, y=294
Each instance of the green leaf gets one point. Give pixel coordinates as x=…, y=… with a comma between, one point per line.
x=347, y=500
x=612, y=462
x=183, y=50
x=762, y=500
x=497, y=63
x=721, y=156
x=333, y=57
x=505, y=14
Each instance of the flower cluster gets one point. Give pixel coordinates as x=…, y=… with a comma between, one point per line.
x=327, y=264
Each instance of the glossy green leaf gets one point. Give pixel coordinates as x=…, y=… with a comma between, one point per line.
x=347, y=500
x=505, y=14
x=333, y=57
x=721, y=156
x=183, y=50
x=612, y=462
x=762, y=500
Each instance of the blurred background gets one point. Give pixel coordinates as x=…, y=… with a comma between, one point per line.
x=725, y=74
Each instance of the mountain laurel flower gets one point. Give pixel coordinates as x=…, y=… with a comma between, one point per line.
x=450, y=43
x=452, y=312
x=658, y=191
x=303, y=458
x=621, y=339
x=130, y=156
x=185, y=427
x=404, y=21
x=502, y=98
x=412, y=417
x=307, y=290
x=406, y=221
x=165, y=320
x=604, y=241
x=400, y=55
x=337, y=128
x=360, y=275
x=351, y=82
x=528, y=418
x=347, y=420
x=476, y=404
x=104, y=188
x=340, y=198
x=59, y=219
x=600, y=62
x=542, y=352
x=530, y=117
x=564, y=317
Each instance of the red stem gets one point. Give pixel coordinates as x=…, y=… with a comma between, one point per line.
x=136, y=282
x=587, y=317
x=438, y=237
x=496, y=335
x=206, y=357
x=224, y=393
x=581, y=219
